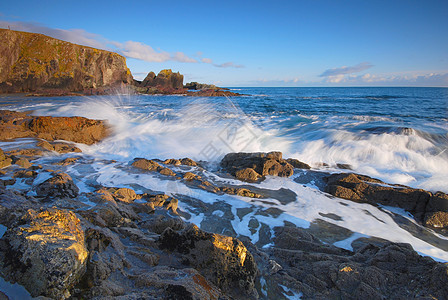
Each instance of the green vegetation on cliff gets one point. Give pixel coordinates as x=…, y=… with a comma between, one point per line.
x=30, y=62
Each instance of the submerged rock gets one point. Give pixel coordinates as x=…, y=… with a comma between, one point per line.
x=45, y=252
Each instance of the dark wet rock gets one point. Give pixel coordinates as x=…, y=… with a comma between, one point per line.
x=45, y=252
x=223, y=260
x=297, y=163
x=344, y=166
x=426, y=207
x=76, y=129
x=218, y=92
x=59, y=185
x=238, y=164
x=376, y=269
x=199, y=86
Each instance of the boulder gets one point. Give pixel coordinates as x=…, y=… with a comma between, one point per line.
x=45, y=253
x=251, y=166
x=222, y=260
x=59, y=185
x=76, y=129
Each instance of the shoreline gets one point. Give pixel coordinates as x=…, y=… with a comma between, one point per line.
x=143, y=234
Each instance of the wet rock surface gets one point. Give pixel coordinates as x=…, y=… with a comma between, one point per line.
x=427, y=208
x=102, y=241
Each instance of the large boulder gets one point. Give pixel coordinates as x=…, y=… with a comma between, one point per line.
x=223, y=260
x=76, y=129
x=251, y=166
x=45, y=252
x=60, y=185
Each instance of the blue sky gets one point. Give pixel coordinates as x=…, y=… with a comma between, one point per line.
x=257, y=43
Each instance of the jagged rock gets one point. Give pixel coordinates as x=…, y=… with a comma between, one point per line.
x=262, y=164
x=247, y=174
x=376, y=269
x=59, y=185
x=45, y=253
x=145, y=164
x=32, y=61
x=76, y=129
x=223, y=260
x=422, y=204
x=165, y=79
x=178, y=284
x=297, y=163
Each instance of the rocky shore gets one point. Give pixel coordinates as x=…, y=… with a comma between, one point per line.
x=43, y=66
x=64, y=241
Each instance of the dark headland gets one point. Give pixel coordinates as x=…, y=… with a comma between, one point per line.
x=41, y=65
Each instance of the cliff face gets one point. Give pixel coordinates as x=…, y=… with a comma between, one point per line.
x=30, y=62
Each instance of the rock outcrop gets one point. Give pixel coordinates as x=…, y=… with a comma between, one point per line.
x=375, y=269
x=32, y=62
x=254, y=166
x=223, y=260
x=431, y=209
x=166, y=82
x=76, y=129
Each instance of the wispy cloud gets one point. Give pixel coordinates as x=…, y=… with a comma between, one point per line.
x=228, y=65
x=411, y=79
x=131, y=49
x=338, y=74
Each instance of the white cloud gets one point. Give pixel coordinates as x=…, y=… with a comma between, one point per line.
x=207, y=60
x=228, y=65
x=336, y=72
x=142, y=51
x=131, y=49
x=411, y=79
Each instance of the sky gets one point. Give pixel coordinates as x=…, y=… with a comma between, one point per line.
x=257, y=43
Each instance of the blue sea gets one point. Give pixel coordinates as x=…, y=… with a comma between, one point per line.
x=398, y=135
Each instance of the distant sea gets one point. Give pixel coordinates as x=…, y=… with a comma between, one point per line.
x=399, y=135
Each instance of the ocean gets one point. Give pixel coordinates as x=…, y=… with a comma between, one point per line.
x=398, y=135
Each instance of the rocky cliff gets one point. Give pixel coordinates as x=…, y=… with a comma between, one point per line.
x=33, y=62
